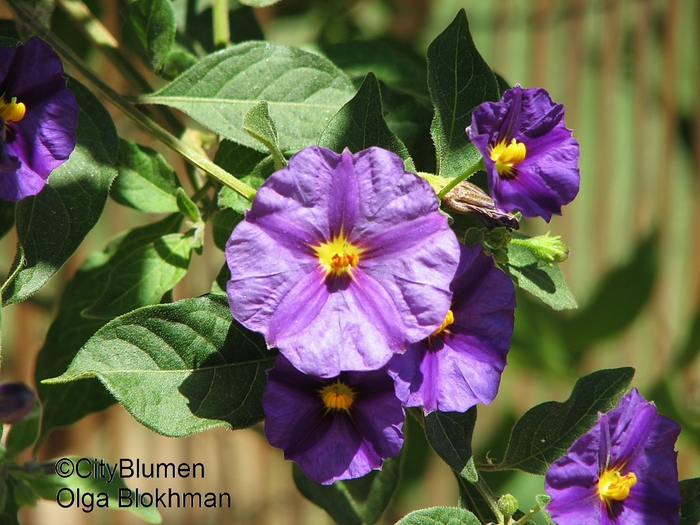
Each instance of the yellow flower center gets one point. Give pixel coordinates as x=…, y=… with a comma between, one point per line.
x=338, y=256
x=507, y=157
x=613, y=485
x=13, y=111
x=449, y=319
x=337, y=396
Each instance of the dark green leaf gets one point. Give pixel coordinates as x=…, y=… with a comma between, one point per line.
x=358, y=501
x=223, y=224
x=450, y=435
x=303, y=90
x=176, y=63
x=23, y=433
x=439, y=516
x=359, y=124
x=545, y=432
x=7, y=217
x=149, y=30
x=52, y=224
x=459, y=80
x=237, y=159
x=146, y=181
x=690, y=501
x=621, y=296
x=471, y=499
x=179, y=368
x=66, y=404
x=542, y=280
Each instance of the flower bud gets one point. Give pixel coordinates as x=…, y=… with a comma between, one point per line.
x=507, y=504
x=545, y=248
x=16, y=401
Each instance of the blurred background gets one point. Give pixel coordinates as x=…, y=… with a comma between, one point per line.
x=628, y=72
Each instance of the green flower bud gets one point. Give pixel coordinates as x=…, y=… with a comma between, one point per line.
x=507, y=504
x=545, y=248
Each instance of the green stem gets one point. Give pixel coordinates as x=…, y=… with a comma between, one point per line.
x=526, y=517
x=192, y=156
x=478, y=166
x=222, y=32
x=489, y=497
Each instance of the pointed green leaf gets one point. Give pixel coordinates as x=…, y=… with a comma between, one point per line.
x=450, y=435
x=259, y=125
x=146, y=182
x=303, y=90
x=439, y=516
x=143, y=276
x=23, y=433
x=149, y=30
x=360, y=501
x=359, y=124
x=542, y=280
x=179, y=368
x=545, y=432
x=66, y=404
x=52, y=224
x=459, y=80
x=690, y=501
x=187, y=207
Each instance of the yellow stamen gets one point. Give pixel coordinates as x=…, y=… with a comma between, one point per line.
x=613, y=485
x=337, y=396
x=449, y=319
x=338, y=256
x=13, y=111
x=507, y=157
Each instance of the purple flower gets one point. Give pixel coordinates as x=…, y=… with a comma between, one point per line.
x=343, y=261
x=622, y=472
x=38, y=117
x=461, y=365
x=531, y=158
x=16, y=401
x=339, y=428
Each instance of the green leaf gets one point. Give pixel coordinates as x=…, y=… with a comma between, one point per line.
x=179, y=368
x=470, y=498
x=54, y=223
x=621, y=295
x=542, y=280
x=450, y=435
x=545, y=432
x=459, y=80
x=690, y=501
x=187, y=207
x=439, y=516
x=358, y=501
x=23, y=433
x=146, y=182
x=303, y=90
x=177, y=61
x=258, y=3
x=149, y=30
x=359, y=124
x=239, y=160
x=7, y=217
x=66, y=404
x=143, y=276
x=260, y=126
x=223, y=224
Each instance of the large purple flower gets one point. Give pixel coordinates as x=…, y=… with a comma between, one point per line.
x=622, y=472
x=461, y=365
x=530, y=156
x=339, y=428
x=38, y=117
x=343, y=261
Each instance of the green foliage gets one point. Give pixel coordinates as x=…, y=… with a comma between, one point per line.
x=303, y=90
x=459, y=80
x=23, y=433
x=358, y=501
x=260, y=126
x=7, y=217
x=690, y=501
x=545, y=432
x=439, y=516
x=54, y=223
x=450, y=435
x=179, y=368
x=146, y=181
x=149, y=30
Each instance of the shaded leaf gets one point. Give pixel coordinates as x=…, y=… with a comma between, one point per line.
x=259, y=125
x=149, y=30
x=7, y=217
x=303, y=90
x=52, y=224
x=471, y=499
x=690, y=501
x=450, y=435
x=23, y=433
x=358, y=501
x=439, y=516
x=179, y=368
x=359, y=124
x=459, y=80
x=545, y=432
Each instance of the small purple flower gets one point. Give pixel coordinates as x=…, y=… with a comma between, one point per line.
x=16, y=401
x=38, y=117
x=335, y=429
x=621, y=472
x=461, y=365
x=343, y=261
x=530, y=156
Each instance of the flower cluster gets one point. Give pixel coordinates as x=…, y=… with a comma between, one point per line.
x=38, y=117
